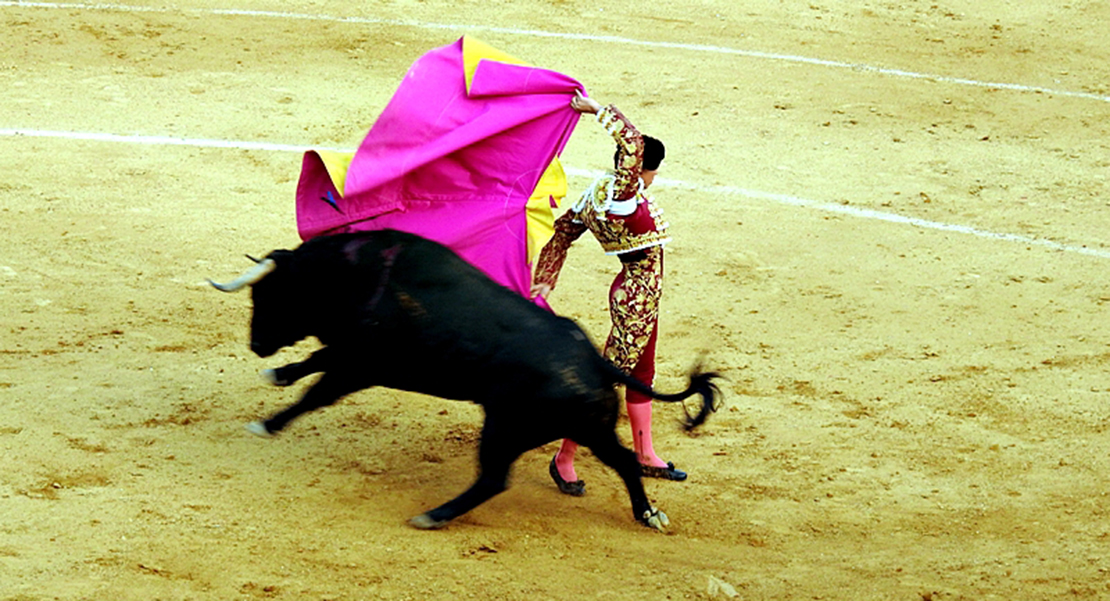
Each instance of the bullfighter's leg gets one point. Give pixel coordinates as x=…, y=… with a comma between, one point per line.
x=288, y=374
x=500, y=447
x=331, y=387
x=608, y=449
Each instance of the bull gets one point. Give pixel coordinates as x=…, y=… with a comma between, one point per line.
x=396, y=310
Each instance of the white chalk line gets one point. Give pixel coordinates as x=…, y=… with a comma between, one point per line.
x=784, y=199
x=858, y=67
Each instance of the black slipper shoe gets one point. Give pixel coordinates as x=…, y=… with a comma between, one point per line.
x=666, y=473
x=574, y=489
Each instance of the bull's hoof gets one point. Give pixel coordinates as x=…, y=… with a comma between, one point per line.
x=653, y=518
x=271, y=376
x=258, y=428
x=427, y=522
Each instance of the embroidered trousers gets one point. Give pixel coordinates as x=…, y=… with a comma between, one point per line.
x=634, y=310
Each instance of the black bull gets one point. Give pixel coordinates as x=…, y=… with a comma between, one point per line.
x=395, y=310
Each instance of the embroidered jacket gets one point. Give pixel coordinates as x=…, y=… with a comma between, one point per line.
x=615, y=208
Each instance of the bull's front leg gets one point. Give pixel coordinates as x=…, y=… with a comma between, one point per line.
x=286, y=375
x=331, y=387
x=502, y=443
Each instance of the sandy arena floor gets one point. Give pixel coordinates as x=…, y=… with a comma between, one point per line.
x=890, y=225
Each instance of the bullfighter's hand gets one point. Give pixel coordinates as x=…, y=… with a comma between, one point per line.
x=541, y=290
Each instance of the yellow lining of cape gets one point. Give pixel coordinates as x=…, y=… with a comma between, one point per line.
x=475, y=50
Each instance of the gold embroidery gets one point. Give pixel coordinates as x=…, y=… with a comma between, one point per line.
x=634, y=309
x=616, y=238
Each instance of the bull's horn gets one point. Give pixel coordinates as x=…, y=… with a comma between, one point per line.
x=251, y=277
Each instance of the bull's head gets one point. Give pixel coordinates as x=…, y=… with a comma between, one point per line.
x=277, y=320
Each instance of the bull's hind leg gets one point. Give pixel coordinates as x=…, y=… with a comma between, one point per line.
x=500, y=447
x=327, y=390
x=608, y=449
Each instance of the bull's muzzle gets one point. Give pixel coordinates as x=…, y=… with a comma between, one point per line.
x=249, y=278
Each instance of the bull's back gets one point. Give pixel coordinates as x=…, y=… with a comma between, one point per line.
x=425, y=289
x=481, y=339
x=444, y=296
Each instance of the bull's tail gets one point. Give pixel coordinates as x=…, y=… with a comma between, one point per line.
x=701, y=383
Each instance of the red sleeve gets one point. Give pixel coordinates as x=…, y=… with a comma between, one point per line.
x=554, y=253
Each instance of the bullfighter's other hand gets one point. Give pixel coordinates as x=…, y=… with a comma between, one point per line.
x=541, y=290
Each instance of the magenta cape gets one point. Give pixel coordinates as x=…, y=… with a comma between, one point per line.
x=449, y=161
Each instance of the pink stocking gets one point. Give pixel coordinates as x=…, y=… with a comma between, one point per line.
x=640, y=416
x=564, y=460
